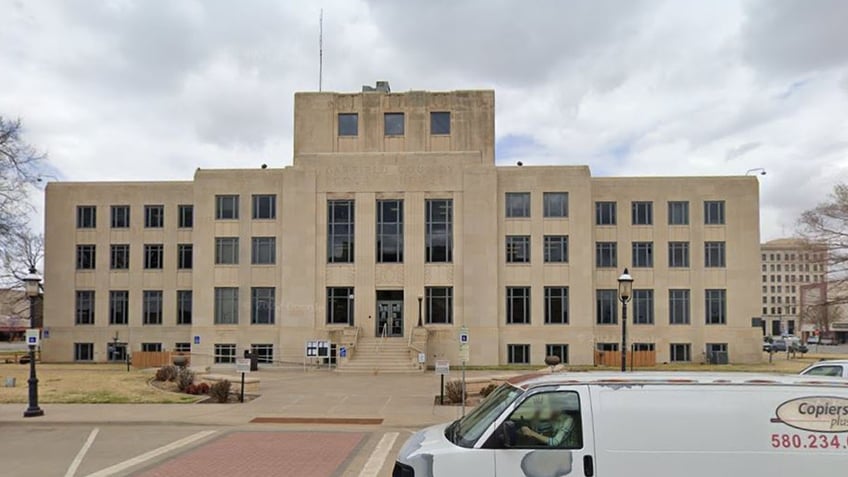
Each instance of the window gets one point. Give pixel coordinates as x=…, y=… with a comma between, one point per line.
x=678, y=254
x=605, y=255
x=225, y=353
x=340, y=228
x=558, y=350
x=390, y=231
x=714, y=254
x=518, y=305
x=605, y=307
x=393, y=124
x=152, y=307
x=264, y=353
x=86, y=257
x=604, y=213
x=715, y=348
x=678, y=307
x=185, y=256
x=643, y=254
x=226, y=250
x=119, y=301
x=85, y=307
x=264, y=206
x=643, y=213
x=680, y=352
x=517, y=204
x=439, y=230
x=262, y=305
x=348, y=124
x=602, y=347
x=518, y=353
x=120, y=257
x=439, y=305
x=86, y=216
x=120, y=216
x=556, y=305
x=340, y=306
x=154, y=216
x=263, y=250
x=517, y=249
x=556, y=248
x=185, y=216
x=714, y=212
x=226, y=207
x=440, y=122
x=226, y=306
x=678, y=213
x=716, y=307
x=554, y=420
x=153, y=256
x=555, y=204
x=643, y=307
x=643, y=347
x=83, y=351
x=151, y=347
x=184, y=306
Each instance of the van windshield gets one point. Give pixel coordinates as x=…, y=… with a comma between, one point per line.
x=465, y=432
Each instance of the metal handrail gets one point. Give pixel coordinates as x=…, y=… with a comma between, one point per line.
x=382, y=337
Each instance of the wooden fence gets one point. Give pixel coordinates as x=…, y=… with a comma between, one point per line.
x=152, y=359
x=637, y=359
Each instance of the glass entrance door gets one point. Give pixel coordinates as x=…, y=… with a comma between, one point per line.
x=390, y=313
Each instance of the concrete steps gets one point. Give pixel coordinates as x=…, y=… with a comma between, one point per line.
x=373, y=356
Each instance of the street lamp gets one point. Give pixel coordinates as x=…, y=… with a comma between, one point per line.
x=759, y=170
x=625, y=291
x=420, y=298
x=32, y=282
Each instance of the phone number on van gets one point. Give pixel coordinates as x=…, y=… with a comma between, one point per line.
x=810, y=441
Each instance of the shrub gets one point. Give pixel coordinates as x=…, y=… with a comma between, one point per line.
x=202, y=388
x=487, y=390
x=453, y=389
x=166, y=373
x=185, y=378
x=220, y=391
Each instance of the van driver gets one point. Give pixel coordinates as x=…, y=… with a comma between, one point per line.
x=561, y=425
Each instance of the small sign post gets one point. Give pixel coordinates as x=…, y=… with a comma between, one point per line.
x=442, y=368
x=243, y=367
x=32, y=337
x=464, y=353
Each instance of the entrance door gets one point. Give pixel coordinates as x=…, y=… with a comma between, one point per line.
x=117, y=351
x=389, y=313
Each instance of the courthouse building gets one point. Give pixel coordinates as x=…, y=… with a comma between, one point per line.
x=394, y=211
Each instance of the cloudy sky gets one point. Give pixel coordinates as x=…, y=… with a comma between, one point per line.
x=151, y=90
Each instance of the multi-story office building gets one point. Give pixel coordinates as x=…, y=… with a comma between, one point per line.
x=393, y=210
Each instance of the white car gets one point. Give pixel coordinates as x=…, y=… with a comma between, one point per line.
x=837, y=368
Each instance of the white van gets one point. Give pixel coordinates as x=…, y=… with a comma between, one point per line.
x=657, y=424
x=837, y=368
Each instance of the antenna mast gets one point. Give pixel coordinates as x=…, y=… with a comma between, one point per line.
x=320, y=50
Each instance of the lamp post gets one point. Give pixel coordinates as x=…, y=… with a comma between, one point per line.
x=31, y=282
x=625, y=291
x=420, y=298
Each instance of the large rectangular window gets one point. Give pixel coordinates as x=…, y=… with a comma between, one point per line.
x=262, y=305
x=85, y=307
x=264, y=352
x=184, y=306
x=680, y=352
x=86, y=216
x=226, y=207
x=263, y=250
x=225, y=353
x=605, y=255
x=643, y=254
x=152, y=307
x=556, y=248
x=440, y=122
x=390, y=231
x=120, y=216
x=518, y=353
x=439, y=302
x=716, y=306
x=605, y=307
x=678, y=307
x=119, y=305
x=642, y=213
x=439, y=230
x=714, y=254
x=517, y=204
x=153, y=256
x=120, y=257
x=643, y=307
x=265, y=206
x=714, y=212
x=154, y=216
x=517, y=249
x=83, y=351
x=555, y=204
x=518, y=305
x=340, y=306
x=556, y=305
x=86, y=257
x=226, y=306
x=348, y=124
x=185, y=256
x=226, y=250
x=678, y=213
x=340, y=231
x=185, y=216
x=605, y=213
x=558, y=350
x=393, y=124
x=678, y=254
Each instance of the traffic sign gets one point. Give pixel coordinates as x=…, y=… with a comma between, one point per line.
x=464, y=352
x=243, y=365
x=463, y=335
x=422, y=358
x=32, y=336
x=442, y=367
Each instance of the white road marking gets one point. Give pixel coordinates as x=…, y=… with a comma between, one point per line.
x=378, y=457
x=81, y=454
x=122, y=466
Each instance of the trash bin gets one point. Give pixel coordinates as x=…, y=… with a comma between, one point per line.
x=254, y=360
x=718, y=357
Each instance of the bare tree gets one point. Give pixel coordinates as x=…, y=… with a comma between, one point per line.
x=824, y=229
x=19, y=166
x=821, y=316
x=20, y=251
